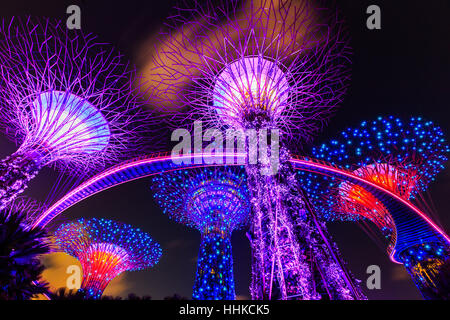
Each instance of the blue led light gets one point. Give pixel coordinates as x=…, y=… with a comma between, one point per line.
x=215, y=202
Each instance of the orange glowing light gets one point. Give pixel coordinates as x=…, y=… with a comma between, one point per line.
x=268, y=26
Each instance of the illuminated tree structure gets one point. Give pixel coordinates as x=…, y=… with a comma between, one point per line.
x=337, y=200
x=275, y=67
x=105, y=249
x=66, y=100
x=29, y=210
x=215, y=202
x=403, y=157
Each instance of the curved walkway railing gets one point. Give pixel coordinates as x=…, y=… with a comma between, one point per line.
x=412, y=225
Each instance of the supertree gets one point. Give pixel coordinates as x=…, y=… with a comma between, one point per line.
x=403, y=157
x=339, y=201
x=29, y=209
x=105, y=249
x=67, y=100
x=215, y=202
x=279, y=66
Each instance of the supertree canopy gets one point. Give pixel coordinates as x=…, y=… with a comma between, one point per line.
x=263, y=65
x=105, y=249
x=215, y=202
x=269, y=63
x=65, y=99
x=401, y=156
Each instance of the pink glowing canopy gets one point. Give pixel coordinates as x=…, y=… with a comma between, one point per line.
x=251, y=84
x=66, y=125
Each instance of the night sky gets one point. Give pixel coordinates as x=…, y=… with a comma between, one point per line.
x=401, y=70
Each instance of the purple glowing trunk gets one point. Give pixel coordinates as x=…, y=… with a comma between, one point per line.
x=291, y=255
x=15, y=173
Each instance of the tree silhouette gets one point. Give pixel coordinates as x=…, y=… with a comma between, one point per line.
x=20, y=248
x=175, y=297
x=64, y=294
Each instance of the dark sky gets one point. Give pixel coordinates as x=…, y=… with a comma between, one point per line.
x=402, y=70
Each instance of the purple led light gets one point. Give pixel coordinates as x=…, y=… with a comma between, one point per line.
x=215, y=201
x=252, y=83
x=287, y=62
x=262, y=65
x=67, y=101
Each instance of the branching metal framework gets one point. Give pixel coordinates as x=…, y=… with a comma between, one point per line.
x=227, y=63
x=402, y=157
x=66, y=100
x=413, y=226
x=410, y=151
x=105, y=249
x=214, y=201
x=29, y=208
x=265, y=65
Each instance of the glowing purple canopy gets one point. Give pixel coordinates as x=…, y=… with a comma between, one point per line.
x=227, y=62
x=66, y=99
x=252, y=82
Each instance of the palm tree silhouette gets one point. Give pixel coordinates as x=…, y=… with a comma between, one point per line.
x=20, y=248
x=175, y=297
x=63, y=294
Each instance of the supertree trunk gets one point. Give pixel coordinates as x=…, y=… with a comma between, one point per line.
x=338, y=282
x=292, y=255
x=92, y=293
x=15, y=173
x=429, y=266
x=214, y=279
x=280, y=268
x=99, y=268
